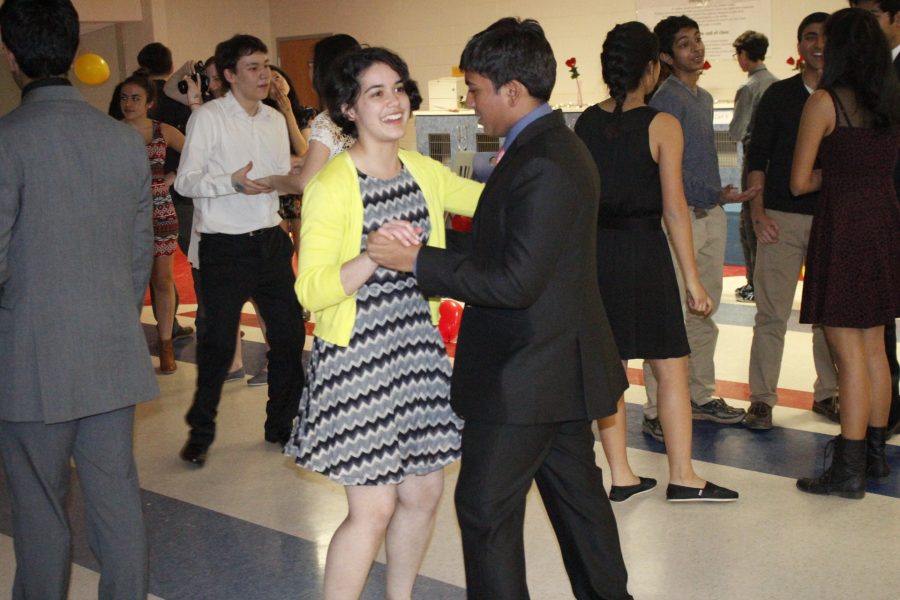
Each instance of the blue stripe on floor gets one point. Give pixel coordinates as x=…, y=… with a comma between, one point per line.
x=200, y=554
x=779, y=451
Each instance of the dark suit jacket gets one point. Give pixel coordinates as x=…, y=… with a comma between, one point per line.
x=534, y=345
x=76, y=246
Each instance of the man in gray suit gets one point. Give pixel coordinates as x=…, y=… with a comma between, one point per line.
x=58, y=398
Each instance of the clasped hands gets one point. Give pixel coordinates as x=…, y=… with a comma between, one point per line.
x=395, y=245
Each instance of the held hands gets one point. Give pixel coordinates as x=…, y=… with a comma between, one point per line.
x=698, y=300
x=395, y=245
x=729, y=195
x=242, y=184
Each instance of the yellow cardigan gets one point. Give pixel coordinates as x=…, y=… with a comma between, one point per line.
x=331, y=232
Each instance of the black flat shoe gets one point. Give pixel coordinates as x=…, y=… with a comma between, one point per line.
x=709, y=493
x=194, y=453
x=621, y=493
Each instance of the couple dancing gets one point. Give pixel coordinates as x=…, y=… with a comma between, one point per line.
x=536, y=359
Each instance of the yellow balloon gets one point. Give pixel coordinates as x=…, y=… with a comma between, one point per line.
x=91, y=69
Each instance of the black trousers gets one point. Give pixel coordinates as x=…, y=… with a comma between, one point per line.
x=232, y=269
x=499, y=462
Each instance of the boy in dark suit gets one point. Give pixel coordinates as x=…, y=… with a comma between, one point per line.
x=536, y=360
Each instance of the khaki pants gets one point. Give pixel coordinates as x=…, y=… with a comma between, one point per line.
x=775, y=282
x=709, y=234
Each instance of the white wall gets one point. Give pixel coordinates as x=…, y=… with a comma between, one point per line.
x=108, y=11
x=430, y=34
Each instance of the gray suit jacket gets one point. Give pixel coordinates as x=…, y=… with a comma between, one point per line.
x=76, y=243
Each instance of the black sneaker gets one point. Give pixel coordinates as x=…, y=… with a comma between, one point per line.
x=744, y=293
x=653, y=428
x=830, y=408
x=621, y=493
x=194, y=453
x=759, y=416
x=709, y=493
x=717, y=411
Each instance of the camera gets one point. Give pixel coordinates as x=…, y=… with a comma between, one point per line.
x=306, y=115
x=199, y=76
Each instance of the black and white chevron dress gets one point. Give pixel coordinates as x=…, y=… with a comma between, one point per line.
x=378, y=410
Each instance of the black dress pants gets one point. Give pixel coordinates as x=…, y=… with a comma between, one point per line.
x=234, y=268
x=499, y=462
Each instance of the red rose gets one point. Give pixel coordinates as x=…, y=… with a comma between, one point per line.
x=706, y=65
x=790, y=60
x=571, y=62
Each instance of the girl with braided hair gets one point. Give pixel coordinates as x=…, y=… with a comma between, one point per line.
x=638, y=152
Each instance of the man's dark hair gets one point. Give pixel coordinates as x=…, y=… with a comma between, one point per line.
x=811, y=19
x=325, y=54
x=753, y=43
x=229, y=52
x=343, y=89
x=668, y=28
x=891, y=7
x=156, y=58
x=41, y=34
x=513, y=50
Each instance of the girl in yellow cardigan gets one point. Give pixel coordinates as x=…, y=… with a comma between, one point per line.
x=375, y=415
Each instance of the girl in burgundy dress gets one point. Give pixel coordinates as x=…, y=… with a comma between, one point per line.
x=852, y=284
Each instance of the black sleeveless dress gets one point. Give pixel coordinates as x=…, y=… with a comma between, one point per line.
x=853, y=260
x=634, y=264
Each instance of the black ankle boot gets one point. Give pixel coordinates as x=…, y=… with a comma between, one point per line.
x=846, y=477
x=877, y=468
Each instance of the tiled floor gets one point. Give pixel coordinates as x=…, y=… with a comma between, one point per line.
x=251, y=526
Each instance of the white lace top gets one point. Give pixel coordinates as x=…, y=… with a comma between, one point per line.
x=326, y=132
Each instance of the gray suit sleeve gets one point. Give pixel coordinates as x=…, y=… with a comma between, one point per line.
x=9, y=210
x=142, y=249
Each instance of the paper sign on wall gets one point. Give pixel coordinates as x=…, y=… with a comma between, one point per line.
x=721, y=21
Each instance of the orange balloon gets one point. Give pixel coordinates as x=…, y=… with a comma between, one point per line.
x=91, y=69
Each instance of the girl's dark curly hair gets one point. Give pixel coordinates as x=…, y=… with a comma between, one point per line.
x=140, y=78
x=343, y=87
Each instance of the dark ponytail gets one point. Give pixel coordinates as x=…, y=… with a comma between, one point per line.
x=627, y=51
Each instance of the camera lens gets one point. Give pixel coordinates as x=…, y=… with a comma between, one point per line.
x=182, y=87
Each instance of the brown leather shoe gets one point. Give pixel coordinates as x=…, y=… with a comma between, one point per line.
x=759, y=416
x=830, y=408
x=167, y=364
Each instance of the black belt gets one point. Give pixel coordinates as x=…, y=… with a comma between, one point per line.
x=630, y=224
x=249, y=234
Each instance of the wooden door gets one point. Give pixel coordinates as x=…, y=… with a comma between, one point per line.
x=294, y=56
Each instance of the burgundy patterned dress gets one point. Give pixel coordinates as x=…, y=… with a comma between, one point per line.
x=165, y=221
x=853, y=261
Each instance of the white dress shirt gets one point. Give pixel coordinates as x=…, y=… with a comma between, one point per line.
x=222, y=138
